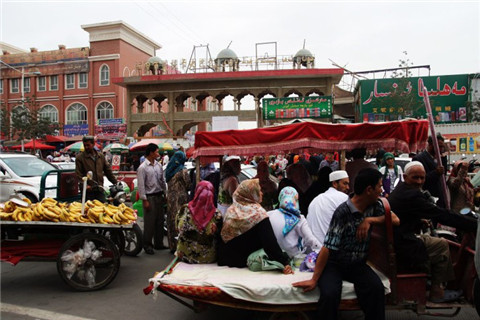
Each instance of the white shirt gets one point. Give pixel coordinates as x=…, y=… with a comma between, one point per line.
x=289, y=242
x=321, y=209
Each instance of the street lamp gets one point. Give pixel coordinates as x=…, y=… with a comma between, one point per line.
x=22, y=71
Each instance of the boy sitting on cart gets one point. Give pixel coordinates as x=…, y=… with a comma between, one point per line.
x=344, y=253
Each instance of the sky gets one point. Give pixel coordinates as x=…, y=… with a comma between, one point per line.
x=357, y=35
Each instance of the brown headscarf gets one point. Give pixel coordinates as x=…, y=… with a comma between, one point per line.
x=245, y=212
x=263, y=175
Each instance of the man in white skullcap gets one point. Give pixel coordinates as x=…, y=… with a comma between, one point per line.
x=321, y=209
x=423, y=252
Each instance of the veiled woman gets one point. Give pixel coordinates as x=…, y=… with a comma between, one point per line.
x=246, y=229
x=178, y=182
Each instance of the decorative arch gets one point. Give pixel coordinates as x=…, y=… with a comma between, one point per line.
x=76, y=113
x=50, y=112
x=104, y=75
x=104, y=110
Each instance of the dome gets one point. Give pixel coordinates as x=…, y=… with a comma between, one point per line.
x=303, y=53
x=227, y=54
x=155, y=60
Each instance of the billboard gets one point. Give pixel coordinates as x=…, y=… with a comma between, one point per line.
x=111, y=128
x=75, y=130
x=398, y=98
x=297, y=107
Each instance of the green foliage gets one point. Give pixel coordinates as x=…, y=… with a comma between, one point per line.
x=4, y=123
x=404, y=63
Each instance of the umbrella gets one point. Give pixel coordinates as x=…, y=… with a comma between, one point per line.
x=34, y=144
x=78, y=146
x=115, y=147
x=142, y=145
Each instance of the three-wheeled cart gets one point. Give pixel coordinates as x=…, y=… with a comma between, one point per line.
x=87, y=255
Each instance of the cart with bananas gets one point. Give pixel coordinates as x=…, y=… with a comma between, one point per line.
x=85, y=239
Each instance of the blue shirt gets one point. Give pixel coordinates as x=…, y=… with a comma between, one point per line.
x=341, y=235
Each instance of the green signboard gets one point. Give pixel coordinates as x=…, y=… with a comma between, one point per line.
x=398, y=98
x=297, y=107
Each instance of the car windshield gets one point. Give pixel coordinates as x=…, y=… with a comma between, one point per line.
x=28, y=166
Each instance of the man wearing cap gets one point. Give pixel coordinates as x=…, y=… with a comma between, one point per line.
x=423, y=252
x=434, y=171
x=321, y=209
x=94, y=161
x=344, y=252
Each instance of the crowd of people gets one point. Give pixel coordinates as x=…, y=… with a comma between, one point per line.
x=314, y=207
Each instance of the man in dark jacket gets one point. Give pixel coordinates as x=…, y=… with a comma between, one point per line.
x=94, y=161
x=424, y=252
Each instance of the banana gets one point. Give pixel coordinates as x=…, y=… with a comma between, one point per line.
x=98, y=203
x=129, y=216
x=49, y=214
x=27, y=200
x=108, y=219
x=40, y=209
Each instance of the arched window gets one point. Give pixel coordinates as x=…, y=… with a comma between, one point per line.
x=77, y=114
x=49, y=112
x=104, y=75
x=104, y=111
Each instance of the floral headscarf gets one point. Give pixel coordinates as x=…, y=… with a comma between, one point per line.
x=288, y=205
x=202, y=207
x=175, y=165
x=245, y=212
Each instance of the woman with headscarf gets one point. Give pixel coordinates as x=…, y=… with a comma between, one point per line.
x=228, y=182
x=269, y=188
x=318, y=186
x=246, y=229
x=178, y=182
x=461, y=189
x=301, y=179
x=198, y=224
x=290, y=226
x=391, y=172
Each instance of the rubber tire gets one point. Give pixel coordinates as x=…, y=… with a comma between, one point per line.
x=133, y=236
x=100, y=241
x=476, y=294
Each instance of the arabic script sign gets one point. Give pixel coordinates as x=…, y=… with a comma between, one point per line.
x=297, y=107
x=382, y=99
x=75, y=129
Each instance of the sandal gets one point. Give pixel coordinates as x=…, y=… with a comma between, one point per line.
x=448, y=296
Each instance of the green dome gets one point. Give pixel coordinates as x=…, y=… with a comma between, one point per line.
x=303, y=53
x=227, y=54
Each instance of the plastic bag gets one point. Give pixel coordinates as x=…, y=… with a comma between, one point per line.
x=74, y=263
x=308, y=265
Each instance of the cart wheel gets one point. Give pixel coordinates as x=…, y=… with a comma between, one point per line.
x=476, y=295
x=116, y=235
x=88, y=261
x=133, y=240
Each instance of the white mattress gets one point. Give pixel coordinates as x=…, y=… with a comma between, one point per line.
x=270, y=287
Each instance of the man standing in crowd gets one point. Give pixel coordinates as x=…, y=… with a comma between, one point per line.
x=321, y=209
x=94, y=161
x=151, y=189
x=434, y=171
x=417, y=252
x=358, y=163
x=344, y=252
x=329, y=161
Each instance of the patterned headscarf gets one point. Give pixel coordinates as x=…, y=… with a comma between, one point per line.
x=288, y=205
x=245, y=211
x=175, y=164
x=202, y=207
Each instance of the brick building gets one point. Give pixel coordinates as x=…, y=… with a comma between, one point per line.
x=74, y=86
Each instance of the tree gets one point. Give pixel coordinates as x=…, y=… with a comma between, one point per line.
x=27, y=123
x=4, y=122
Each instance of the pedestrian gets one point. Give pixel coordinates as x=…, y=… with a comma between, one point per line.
x=228, y=182
x=358, y=163
x=329, y=161
x=91, y=160
x=391, y=173
x=151, y=189
x=269, y=188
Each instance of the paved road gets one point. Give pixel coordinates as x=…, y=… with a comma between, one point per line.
x=34, y=290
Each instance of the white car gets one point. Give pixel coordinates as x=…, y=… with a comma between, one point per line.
x=22, y=173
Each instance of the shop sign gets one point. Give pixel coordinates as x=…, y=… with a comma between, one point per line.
x=75, y=129
x=463, y=143
x=297, y=107
x=448, y=96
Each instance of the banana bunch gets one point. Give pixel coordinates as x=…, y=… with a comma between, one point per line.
x=12, y=212
x=51, y=210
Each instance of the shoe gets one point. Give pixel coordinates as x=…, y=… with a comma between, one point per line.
x=448, y=296
x=149, y=251
x=162, y=247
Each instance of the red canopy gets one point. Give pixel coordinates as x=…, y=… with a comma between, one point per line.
x=49, y=138
x=31, y=145
x=405, y=136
